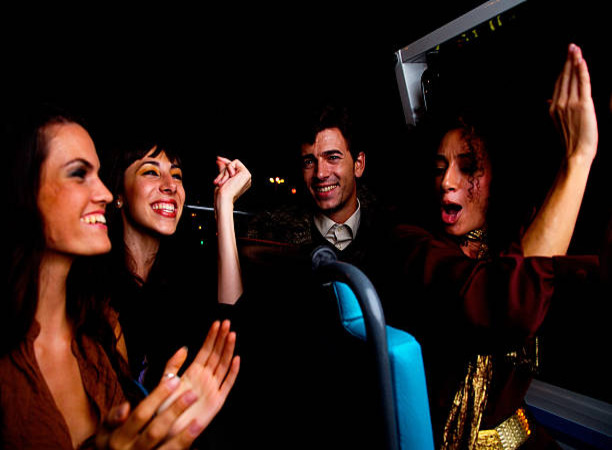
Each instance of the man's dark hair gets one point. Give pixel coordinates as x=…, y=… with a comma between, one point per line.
x=332, y=115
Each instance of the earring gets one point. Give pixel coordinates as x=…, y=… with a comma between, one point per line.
x=119, y=203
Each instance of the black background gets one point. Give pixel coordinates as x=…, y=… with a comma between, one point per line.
x=235, y=81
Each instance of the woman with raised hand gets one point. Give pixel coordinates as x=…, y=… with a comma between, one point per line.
x=166, y=291
x=474, y=305
x=62, y=356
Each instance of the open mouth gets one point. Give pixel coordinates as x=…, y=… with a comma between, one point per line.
x=94, y=219
x=450, y=213
x=167, y=209
x=325, y=189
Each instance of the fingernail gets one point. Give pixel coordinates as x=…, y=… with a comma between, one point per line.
x=120, y=412
x=195, y=428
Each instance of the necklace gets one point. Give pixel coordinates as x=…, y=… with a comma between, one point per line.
x=478, y=236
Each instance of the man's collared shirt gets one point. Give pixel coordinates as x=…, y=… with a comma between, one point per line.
x=340, y=235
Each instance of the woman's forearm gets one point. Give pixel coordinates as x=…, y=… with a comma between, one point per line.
x=551, y=231
x=573, y=112
x=228, y=264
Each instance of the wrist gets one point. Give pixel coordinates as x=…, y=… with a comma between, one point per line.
x=223, y=203
x=578, y=161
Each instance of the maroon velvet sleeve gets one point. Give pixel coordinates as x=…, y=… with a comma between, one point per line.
x=507, y=295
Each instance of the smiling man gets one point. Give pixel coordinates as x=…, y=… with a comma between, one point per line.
x=330, y=167
x=340, y=211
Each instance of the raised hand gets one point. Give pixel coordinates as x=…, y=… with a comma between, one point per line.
x=233, y=180
x=573, y=112
x=572, y=108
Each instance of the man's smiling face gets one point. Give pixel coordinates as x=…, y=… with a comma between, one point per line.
x=330, y=174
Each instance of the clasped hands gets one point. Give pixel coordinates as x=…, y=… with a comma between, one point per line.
x=179, y=408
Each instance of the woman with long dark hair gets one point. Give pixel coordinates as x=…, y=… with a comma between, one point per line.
x=166, y=291
x=62, y=360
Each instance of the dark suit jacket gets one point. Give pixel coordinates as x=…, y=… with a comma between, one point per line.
x=316, y=382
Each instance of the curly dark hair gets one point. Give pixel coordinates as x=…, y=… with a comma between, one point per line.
x=486, y=136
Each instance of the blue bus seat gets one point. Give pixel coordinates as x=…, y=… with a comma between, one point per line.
x=407, y=373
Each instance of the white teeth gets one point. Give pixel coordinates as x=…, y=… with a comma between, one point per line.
x=326, y=188
x=94, y=218
x=164, y=206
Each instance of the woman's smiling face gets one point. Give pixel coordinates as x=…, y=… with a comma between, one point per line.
x=463, y=178
x=71, y=198
x=153, y=194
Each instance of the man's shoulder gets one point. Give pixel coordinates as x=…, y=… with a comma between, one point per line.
x=287, y=224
